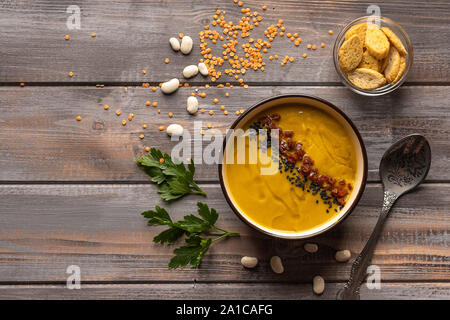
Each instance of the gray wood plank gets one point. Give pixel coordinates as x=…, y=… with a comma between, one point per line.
x=41, y=141
x=46, y=228
x=132, y=36
x=217, y=291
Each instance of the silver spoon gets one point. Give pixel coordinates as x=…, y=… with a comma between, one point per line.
x=403, y=167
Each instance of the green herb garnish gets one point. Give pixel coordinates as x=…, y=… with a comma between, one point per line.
x=200, y=234
x=173, y=179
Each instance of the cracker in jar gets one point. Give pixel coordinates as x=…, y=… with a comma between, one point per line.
x=401, y=70
x=350, y=54
x=383, y=64
x=359, y=30
x=393, y=65
x=366, y=79
x=376, y=42
x=369, y=62
x=396, y=42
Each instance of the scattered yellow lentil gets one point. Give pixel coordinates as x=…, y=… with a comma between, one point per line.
x=170, y=114
x=124, y=122
x=181, y=35
x=227, y=94
x=166, y=60
x=22, y=84
x=209, y=125
x=144, y=126
x=304, y=55
x=155, y=104
x=141, y=136
x=202, y=110
x=225, y=112
x=330, y=31
x=211, y=112
x=202, y=132
x=147, y=149
x=161, y=128
x=106, y=107
x=70, y=74
x=322, y=45
x=222, y=107
x=314, y=47
x=78, y=118
x=144, y=72
x=118, y=112
x=93, y=35
x=148, y=103
x=67, y=37
x=216, y=101
x=153, y=89
x=161, y=160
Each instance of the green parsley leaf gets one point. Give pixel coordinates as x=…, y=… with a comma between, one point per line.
x=209, y=215
x=169, y=236
x=193, y=224
x=159, y=217
x=166, y=194
x=172, y=177
x=191, y=253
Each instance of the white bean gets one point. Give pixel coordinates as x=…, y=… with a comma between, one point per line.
x=249, y=262
x=318, y=285
x=203, y=69
x=343, y=255
x=175, y=44
x=186, y=45
x=276, y=264
x=311, y=247
x=192, y=105
x=174, y=130
x=190, y=71
x=170, y=86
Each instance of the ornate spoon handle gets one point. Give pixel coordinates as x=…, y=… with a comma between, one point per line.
x=359, y=267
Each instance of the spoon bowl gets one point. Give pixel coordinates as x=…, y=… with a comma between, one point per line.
x=405, y=164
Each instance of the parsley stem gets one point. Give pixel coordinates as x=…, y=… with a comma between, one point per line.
x=226, y=234
x=220, y=229
x=214, y=234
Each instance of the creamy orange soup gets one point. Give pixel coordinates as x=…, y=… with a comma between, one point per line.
x=289, y=200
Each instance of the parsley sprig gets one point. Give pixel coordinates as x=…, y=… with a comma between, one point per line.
x=200, y=233
x=173, y=179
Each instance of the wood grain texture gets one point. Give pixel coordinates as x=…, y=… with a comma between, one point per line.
x=46, y=228
x=218, y=291
x=132, y=36
x=43, y=142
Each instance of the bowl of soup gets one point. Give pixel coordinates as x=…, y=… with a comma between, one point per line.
x=293, y=166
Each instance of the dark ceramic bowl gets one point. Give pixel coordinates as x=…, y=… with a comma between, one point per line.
x=361, y=172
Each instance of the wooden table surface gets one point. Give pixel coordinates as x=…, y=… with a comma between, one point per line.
x=71, y=193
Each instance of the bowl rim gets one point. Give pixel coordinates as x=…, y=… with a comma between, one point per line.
x=274, y=234
x=388, y=87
